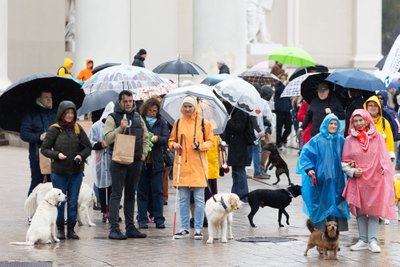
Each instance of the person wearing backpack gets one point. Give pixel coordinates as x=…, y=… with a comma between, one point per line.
x=68, y=146
x=373, y=106
x=65, y=69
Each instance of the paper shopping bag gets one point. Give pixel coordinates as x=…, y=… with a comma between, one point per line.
x=44, y=164
x=124, y=149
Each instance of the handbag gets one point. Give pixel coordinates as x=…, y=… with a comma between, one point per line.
x=44, y=164
x=124, y=149
x=168, y=157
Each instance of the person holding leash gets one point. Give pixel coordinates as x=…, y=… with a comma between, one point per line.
x=196, y=136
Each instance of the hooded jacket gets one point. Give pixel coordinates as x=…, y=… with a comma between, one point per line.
x=60, y=139
x=138, y=61
x=385, y=131
x=192, y=169
x=224, y=69
x=65, y=70
x=86, y=73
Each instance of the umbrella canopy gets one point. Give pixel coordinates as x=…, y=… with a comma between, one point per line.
x=179, y=67
x=292, y=56
x=97, y=100
x=122, y=77
x=303, y=70
x=261, y=66
x=20, y=97
x=357, y=79
x=293, y=88
x=104, y=66
x=259, y=77
x=214, y=79
x=210, y=106
x=310, y=84
x=240, y=94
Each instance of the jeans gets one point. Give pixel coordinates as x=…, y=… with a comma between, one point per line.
x=150, y=181
x=255, y=156
x=36, y=175
x=184, y=207
x=239, y=186
x=70, y=185
x=123, y=177
x=367, y=227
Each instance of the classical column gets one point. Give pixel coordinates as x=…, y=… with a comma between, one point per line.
x=368, y=33
x=293, y=23
x=4, y=81
x=219, y=32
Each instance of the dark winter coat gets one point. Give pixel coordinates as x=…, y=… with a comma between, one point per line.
x=161, y=130
x=138, y=61
x=33, y=125
x=224, y=69
x=235, y=135
x=67, y=141
x=356, y=102
x=282, y=104
x=316, y=113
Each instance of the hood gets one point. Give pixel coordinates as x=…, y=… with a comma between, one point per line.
x=87, y=63
x=108, y=109
x=376, y=100
x=324, y=126
x=64, y=105
x=384, y=94
x=68, y=63
x=365, y=115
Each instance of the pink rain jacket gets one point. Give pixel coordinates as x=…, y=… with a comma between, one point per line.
x=373, y=191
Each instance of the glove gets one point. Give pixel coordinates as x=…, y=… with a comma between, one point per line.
x=42, y=136
x=314, y=179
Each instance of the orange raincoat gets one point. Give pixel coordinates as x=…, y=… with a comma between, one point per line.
x=86, y=73
x=192, y=173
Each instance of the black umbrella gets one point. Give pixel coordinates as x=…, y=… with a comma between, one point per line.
x=310, y=84
x=179, y=67
x=303, y=70
x=19, y=98
x=97, y=100
x=104, y=66
x=380, y=63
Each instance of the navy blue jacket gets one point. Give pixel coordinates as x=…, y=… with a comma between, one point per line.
x=282, y=104
x=33, y=125
x=160, y=129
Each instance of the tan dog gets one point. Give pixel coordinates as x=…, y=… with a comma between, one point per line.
x=43, y=225
x=219, y=211
x=325, y=241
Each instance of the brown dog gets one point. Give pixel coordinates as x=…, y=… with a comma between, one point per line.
x=327, y=240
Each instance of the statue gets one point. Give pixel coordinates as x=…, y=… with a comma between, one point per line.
x=256, y=21
x=70, y=26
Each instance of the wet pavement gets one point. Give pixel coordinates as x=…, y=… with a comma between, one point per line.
x=271, y=246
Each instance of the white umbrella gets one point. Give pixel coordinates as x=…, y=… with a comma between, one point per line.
x=294, y=86
x=240, y=94
x=211, y=108
x=139, y=81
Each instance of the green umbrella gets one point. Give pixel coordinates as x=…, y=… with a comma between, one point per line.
x=292, y=56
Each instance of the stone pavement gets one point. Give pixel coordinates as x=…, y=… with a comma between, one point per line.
x=158, y=249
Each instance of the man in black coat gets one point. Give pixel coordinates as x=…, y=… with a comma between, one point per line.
x=283, y=115
x=139, y=58
x=356, y=102
x=222, y=67
x=33, y=130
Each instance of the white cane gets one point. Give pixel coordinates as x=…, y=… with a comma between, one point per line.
x=177, y=185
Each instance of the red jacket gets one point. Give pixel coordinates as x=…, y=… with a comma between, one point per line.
x=301, y=114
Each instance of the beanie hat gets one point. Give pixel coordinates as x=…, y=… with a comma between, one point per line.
x=142, y=52
x=190, y=100
x=266, y=92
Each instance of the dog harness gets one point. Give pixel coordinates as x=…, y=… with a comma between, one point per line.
x=222, y=203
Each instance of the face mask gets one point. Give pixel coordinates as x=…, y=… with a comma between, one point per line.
x=151, y=121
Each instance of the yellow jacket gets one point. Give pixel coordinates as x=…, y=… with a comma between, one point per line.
x=385, y=131
x=192, y=170
x=213, y=160
x=65, y=70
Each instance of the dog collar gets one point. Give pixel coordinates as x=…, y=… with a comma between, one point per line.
x=290, y=194
x=222, y=203
x=51, y=204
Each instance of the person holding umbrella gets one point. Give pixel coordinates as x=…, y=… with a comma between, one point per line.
x=196, y=136
x=33, y=130
x=67, y=144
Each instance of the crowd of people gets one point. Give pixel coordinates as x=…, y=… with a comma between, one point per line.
x=342, y=172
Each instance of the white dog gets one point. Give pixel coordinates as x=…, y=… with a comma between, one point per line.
x=43, y=225
x=219, y=211
x=86, y=200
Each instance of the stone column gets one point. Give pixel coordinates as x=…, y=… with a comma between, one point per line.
x=4, y=81
x=219, y=32
x=293, y=23
x=368, y=33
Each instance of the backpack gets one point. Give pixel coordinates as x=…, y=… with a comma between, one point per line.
x=77, y=130
x=394, y=121
x=202, y=128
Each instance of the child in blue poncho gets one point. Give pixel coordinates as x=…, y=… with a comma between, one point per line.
x=321, y=157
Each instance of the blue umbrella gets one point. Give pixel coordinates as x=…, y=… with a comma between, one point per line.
x=356, y=79
x=97, y=100
x=212, y=80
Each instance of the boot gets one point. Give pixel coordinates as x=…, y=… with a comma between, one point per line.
x=61, y=232
x=71, y=233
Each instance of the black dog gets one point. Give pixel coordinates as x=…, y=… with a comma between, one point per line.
x=278, y=199
x=275, y=160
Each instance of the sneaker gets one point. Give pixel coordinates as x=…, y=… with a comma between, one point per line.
x=360, y=245
x=143, y=226
x=198, y=236
x=117, y=235
x=182, y=234
x=160, y=225
x=261, y=176
x=374, y=247
x=386, y=222
x=134, y=233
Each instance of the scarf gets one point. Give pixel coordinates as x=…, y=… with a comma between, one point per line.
x=67, y=124
x=151, y=121
x=362, y=137
x=40, y=104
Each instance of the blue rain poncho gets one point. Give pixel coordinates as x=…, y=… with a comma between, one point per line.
x=323, y=154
